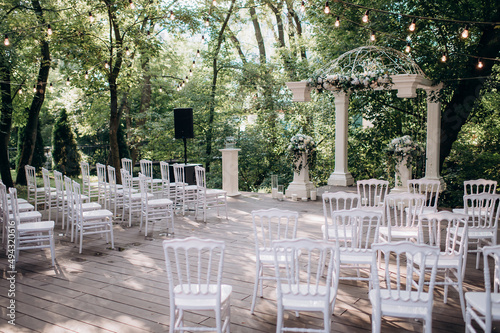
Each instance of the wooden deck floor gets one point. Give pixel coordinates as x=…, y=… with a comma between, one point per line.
x=125, y=289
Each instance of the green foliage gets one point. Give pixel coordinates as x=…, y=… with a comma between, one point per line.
x=65, y=154
x=38, y=160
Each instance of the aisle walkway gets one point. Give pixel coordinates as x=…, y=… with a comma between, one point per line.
x=125, y=290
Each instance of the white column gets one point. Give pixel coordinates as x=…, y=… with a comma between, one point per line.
x=433, y=134
x=230, y=171
x=301, y=185
x=341, y=176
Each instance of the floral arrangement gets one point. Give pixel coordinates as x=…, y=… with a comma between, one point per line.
x=404, y=147
x=363, y=81
x=300, y=144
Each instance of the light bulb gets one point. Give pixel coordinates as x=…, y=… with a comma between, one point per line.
x=194, y=63
x=86, y=75
x=106, y=65
x=148, y=33
x=372, y=36
x=127, y=51
x=49, y=30
x=302, y=7
x=20, y=91
x=190, y=73
x=465, y=32
x=443, y=57
x=203, y=38
x=34, y=88
x=6, y=41
x=183, y=84
x=214, y=2
x=161, y=89
x=91, y=18
x=365, y=18
x=412, y=26
x=132, y=6
x=480, y=64
x=198, y=53
x=337, y=22
x=67, y=81
x=51, y=87
x=407, y=48
x=207, y=22
x=327, y=8
x=172, y=16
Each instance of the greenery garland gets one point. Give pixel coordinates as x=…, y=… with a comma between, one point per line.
x=300, y=144
x=364, y=81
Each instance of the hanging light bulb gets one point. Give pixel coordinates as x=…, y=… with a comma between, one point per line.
x=372, y=36
x=187, y=79
x=194, y=63
x=465, y=32
x=365, y=18
x=127, y=51
x=408, y=47
x=148, y=34
x=444, y=57
x=337, y=22
x=480, y=63
x=207, y=22
x=160, y=90
x=106, y=65
x=91, y=18
x=34, y=88
x=67, y=81
x=51, y=87
x=6, y=41
x=302, y=7
x=132, y=6
x=198, y=53
x=214, y=2
x=413, y=25
x=327, y=8
x=49, y=30
x=172, y=16
x=86, y=75
x=183, y=84
x=20, y=91
x=190, y=73
x=202, y=38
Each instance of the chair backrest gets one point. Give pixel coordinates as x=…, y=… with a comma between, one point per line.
x=402, y=209
x=273, y=224
x=194, y=268
x=398, y=284
x=143, y=187
x=30, y=176
x=15, y=206
x=299, y=264
x=46, y=181
x=112, y=177
x=85, y=167
x=58, y=178
x=338, y=201
x=483, y=210
x=127, y=165
x=179, y=173
x=478, y=186
x=356, y=229
x=165, y=172
x=200, y=178
x=126, y=182
x=492, y=303
x=101, y=173
x=372, y=191
x=147, y=168
x=454, y=226
x=4, y=205
x=77, y=199
x=428, y=187
x=68, y=185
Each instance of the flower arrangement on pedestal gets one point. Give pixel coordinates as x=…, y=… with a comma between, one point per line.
x=403, y=148
x=364, y=81
x=302, y=146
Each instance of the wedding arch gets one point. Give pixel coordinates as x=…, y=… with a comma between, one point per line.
x=377, y=68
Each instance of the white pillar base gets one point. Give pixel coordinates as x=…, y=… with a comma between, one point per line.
x=341, y=179
x=230, y=171
x=302, y=190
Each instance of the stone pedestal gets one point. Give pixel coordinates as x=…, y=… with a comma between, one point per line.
x=402, y=176
x=230, y=171
x=301, y=186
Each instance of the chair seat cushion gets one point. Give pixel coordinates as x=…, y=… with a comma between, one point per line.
x=297, y=299
x=97, y=214
x=194, y=298
x=86, y=206
x=36, y=226
x=159, y=202
x=477, y=300
x=416, y=309
x=27, y=216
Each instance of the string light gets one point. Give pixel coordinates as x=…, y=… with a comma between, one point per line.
x=408, y=47
x=198, y=53
x=106, y=65
x=148, y=33
x=34, y=88
x=214, y=2
x=190, y=73
x=207, y=22
x=194, y=63
x=465, y=32
x=161, y=89
x=480, y=63
x=127, y=51
x=187, y=79
x=51, y=87
x=337, y=22
x=365, y=17
x=202, y=38
x=372, y=36
x=49, y=30
x=67, y=81
x=172, y=16
x=6, y=41
x=183, y=84
x=91, y=18
x=20, y=91
x=327, y=8
x=413, y=25
x=302, y=7
x=444, y=57
x=86, y=75
x=132, y=6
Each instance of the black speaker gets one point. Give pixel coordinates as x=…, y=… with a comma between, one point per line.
x=183, y=122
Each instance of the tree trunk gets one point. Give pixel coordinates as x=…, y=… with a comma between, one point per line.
x=258, y=32
x=5, y=120
x=28, y=145
x=461, y=104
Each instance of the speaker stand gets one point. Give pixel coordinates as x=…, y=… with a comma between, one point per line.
x=185, y=151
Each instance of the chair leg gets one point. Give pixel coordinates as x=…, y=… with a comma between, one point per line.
x=256, y=284
x=52, y=251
